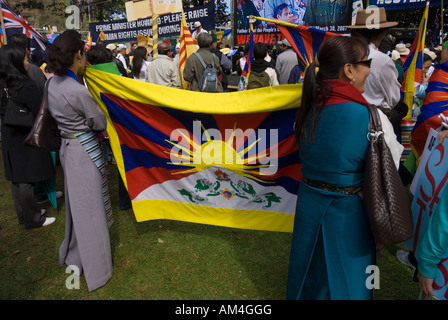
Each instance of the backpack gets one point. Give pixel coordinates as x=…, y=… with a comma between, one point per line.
x=258, y=80
x=209, y=79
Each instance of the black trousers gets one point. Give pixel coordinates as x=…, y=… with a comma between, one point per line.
x=28, y=213
x=124, y=201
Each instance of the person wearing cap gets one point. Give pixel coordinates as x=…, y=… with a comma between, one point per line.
x=286, y=60
x=113, y=49
x=162, y=70
x=225, y=62
x=198, y=30
x=121, y=53
x=324, y=13
x=395, y=56
x=382, y=86
x=403, y=51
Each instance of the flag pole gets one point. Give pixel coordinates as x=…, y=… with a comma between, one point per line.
x=3, y=27
x=155, y=36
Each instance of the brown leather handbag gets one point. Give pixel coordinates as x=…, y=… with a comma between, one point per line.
x=385, y=198
x=45, y=133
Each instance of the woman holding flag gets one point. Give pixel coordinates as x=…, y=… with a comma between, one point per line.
x=332, y=241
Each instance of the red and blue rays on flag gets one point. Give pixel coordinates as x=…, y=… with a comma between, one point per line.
x=145, y=131
x=435, y=102
x=305, y=41
x=14, y=23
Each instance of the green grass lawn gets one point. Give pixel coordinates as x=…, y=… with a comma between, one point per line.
x=162, y=260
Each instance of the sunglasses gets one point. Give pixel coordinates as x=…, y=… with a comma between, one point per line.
x=367, y=63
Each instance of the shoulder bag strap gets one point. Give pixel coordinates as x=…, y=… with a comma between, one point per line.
x=45, y=95
x=375, y=121
x=200, y=59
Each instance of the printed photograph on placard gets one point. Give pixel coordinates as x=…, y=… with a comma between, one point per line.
x=328, y=15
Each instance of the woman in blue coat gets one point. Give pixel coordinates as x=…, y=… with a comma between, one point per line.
x=332, y=243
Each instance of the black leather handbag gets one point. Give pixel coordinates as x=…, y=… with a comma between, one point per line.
x=45, y=133
x=16, y=115
x=385, y=198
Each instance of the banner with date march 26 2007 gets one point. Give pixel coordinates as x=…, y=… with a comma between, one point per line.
x=168, y=25
x=225, y=159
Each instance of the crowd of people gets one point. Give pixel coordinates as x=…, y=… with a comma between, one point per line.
x=332, y=241
x=279, y=62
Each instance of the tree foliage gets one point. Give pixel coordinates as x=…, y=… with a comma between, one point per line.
x=222, y=15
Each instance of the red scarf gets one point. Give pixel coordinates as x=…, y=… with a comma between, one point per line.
x=340, y=91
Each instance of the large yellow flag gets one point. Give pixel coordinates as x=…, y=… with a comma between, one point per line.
x=187, y=47
x=414, y=64
x=225, y=159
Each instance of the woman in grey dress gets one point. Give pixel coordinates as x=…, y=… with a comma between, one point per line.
x=86, y=247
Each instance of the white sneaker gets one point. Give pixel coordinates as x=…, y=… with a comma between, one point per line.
x=48, y=221
x=403, y=257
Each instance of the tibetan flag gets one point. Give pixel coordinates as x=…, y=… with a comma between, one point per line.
x=413, y=65
x=435, y=103
x=14, y=23
x=304, y=40
x=224, y=159
x=225, y=33
x=244, y=79
x=102, y=36
x=187, y=48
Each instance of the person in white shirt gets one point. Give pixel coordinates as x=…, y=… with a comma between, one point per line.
x=140, y=63
x=199, y=29
x=162, y=70
x=121, y=49
x=382, y=86
x=286, y=60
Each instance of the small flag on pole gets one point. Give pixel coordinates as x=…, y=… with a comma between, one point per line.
x=102, y=36
x=187, y=47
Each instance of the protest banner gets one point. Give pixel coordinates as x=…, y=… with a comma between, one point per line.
x=403, y=4
x=232, y=163
x=169, y=25
x=325, y=15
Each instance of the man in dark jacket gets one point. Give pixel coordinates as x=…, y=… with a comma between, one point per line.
x=193, y=68
x=225, y=62
x=113, y=49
